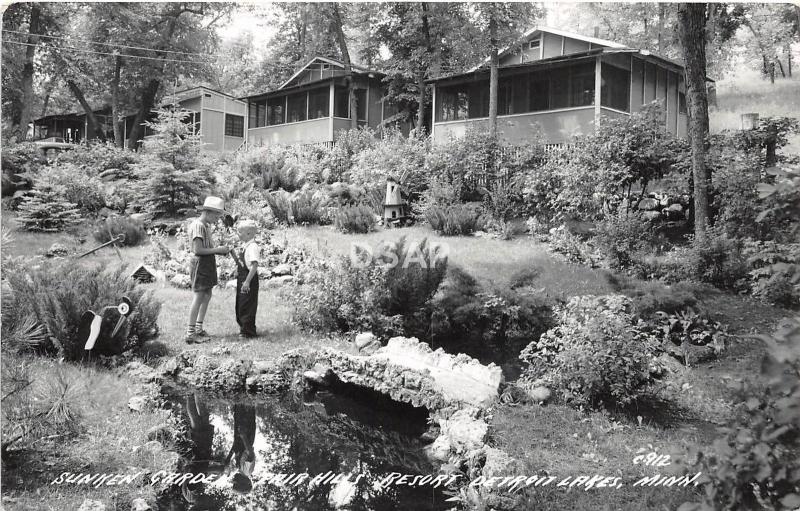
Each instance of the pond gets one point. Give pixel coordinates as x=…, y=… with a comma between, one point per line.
x=352, y=434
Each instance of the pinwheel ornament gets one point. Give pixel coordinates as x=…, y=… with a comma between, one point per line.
x=89, y=329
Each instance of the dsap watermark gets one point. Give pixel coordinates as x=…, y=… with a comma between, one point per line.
x=391, y=254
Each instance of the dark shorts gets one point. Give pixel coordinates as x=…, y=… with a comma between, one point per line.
x=204, y=273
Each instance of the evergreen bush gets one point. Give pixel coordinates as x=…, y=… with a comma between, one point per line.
x=454, y=220
x=47, y=210
x=355, y=219
x=133, y=230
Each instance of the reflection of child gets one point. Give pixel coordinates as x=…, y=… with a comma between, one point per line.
x=244, y=435
x=204, y=265
x=247, y=278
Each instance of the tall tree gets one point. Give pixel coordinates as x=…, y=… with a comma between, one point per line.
x=502, y=24
x=337, y=26
x=692, y=33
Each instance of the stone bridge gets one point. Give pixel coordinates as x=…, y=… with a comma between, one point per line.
x=456, y=389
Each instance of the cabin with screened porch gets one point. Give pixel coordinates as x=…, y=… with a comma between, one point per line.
x=312, y=106
x=556, y=85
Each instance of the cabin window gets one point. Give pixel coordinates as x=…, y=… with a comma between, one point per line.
x=276, y=111
x=649, y=82
x=234, y=125
x=534, y=44
x=251, y=115
x=452, y=103
x=539, y=93
x=681, y=103
x=504, y=97
x=193, y=120
x=341, y=102
x=582, y=85
x=318, y=103
x=296, y=107
x=361, y=104
x=615, y=88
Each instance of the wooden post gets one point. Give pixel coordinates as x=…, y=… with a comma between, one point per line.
x=598, y=88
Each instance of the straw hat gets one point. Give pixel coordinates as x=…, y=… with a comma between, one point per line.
x=215, y=204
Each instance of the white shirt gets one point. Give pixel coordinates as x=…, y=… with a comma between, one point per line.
x=252, y=253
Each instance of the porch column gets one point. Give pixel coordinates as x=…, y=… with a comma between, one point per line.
x=598, y=87
x=433, y=110
x=330, y=111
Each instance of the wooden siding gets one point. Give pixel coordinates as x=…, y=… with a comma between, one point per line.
x=212, y=129
x=556, y=127
x=575, y=46
x=305, y=132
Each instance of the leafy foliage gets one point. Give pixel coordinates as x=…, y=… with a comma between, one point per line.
x=57, y=294
x=753, y=463
x=492, y=325
x=368, y=294
x=78, y=185
x=133, y=230
x=622, y=238
x=358, y=219
x=592, y=355
x=394, y=156
x=454, y=220
x=650, y=297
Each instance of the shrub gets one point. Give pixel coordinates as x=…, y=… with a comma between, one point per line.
x=592, y=355
x=46, y=209
x=173, y=179
x=308, y=208
x=133, y=230
x=339, y=160
x=775, y=272
x=570, y=246
x=620, y=238
x=96, y=158
x=735, y=196
x=301, y=207
x=491, y=325
x=19, y=163
x=683, y=330
x=524, y=277
x=650, y=297
x=753, y=464
x=717, y=260
x=57, y=295
x=278, y=167
x=77, y=186
x=394, y=156
x=358, y=219
x=454, y=220
x=354, y=294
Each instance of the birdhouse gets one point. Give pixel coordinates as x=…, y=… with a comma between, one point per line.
x=143, y=274
x=394, y=207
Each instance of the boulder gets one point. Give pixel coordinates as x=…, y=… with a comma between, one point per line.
x=160, y=433
x=648, y=204
x=463, y=431
x=137, y=403
x=277, y=282
x=92, y=505
x=140, y=505
x=500, y=464
x=57, y=250
x=439, y=450
x=281, y=270
x=673, y=212
x=181, y=280
x=364, y=338
x=651, y=216
x=539, y=394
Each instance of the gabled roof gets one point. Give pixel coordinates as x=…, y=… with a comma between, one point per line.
x=190, y=93
x=325, y=60
x=532, y=33
x=593, y=53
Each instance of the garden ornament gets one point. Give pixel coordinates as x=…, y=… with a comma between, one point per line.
x=230, y=220
x=89, y=329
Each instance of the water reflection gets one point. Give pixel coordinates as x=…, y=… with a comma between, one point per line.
x=247, y=443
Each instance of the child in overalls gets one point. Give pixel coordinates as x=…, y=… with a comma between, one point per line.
x=247, y=279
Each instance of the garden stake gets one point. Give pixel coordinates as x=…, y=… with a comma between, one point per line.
x=120, y=238
x=111, y=235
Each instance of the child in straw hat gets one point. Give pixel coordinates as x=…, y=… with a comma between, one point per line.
x=204, y=265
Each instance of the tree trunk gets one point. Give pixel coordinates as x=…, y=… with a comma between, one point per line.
x=94, y=125
x=789, y=60
x=422, y=95
x=692, y=32
x=493, y=72
x=661, y=17
x=348, y=66
x=27, y=73
x=148, y=98
x=115, y=113
x=780, y=65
